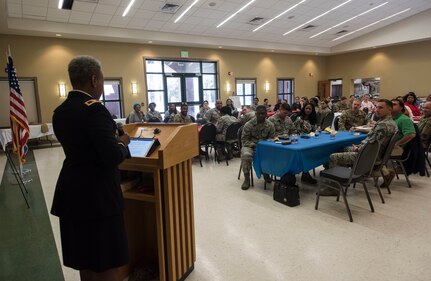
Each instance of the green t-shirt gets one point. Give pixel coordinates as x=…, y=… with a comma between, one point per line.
x=405, y=125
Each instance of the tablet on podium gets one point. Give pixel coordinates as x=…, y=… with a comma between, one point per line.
x=142, y=147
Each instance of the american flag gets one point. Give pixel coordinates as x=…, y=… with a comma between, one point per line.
x=18, y=115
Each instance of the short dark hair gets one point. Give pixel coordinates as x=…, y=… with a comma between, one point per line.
x=265, y=99
x=260, y=107
x=152, y=103
x=82, y=68
x=184, y=104
x=400, y=102
x=226, y=110
x=343, y=98
x=387, y=102
x=285, y=106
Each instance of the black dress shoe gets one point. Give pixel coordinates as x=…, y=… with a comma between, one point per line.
x=307, y=178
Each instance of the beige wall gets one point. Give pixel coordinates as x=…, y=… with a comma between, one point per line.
x=402, y=68
x=47, y=59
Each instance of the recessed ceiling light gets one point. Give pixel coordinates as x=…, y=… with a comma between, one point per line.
x=279, y=15
x=319, y=16
x=150, y=42
x=371, y=24
x=58, y=34
x=272, y=51
x=374, y=47
x=220, y=47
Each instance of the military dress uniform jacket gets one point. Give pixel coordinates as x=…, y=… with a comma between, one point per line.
x=89, y=183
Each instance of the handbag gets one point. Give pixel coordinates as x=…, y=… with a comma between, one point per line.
x=286, y=191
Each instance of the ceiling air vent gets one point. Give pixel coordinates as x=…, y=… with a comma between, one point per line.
x=341, y=32
x=308, y=27
x=256, y=21
x=169, y=8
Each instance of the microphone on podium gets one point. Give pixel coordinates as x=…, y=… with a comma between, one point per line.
x=120, y=131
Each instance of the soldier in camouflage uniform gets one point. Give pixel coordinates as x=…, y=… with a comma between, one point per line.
x=223, y=123
x=306, y=122
x=255, y=104
x=152, y=113
x=183, y=116
x=282, y=123
x=382, y=132
x=341, y=105
x=353, y=117
x=425, y=125
x=214, y=113
x=255, y=130
x=246, y=114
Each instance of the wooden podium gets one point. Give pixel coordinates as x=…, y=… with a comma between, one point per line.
x=160, y=223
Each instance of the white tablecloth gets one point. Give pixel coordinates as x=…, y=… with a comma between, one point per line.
x=35, y=132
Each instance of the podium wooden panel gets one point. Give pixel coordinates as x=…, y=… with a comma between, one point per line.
x=160, y=224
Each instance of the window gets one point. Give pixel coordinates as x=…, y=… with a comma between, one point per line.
x=112, y=97
x=246, y=90
x=179, y=81
x=285, y=90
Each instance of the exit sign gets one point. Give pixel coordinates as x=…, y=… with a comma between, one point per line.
x=184, y=54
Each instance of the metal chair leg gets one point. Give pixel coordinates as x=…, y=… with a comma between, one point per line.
x=343, y=194
x=240, y=169
x=405, y=174
x=368, y=197
x=384, y=180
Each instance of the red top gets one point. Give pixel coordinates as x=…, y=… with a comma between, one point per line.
x=415, y=109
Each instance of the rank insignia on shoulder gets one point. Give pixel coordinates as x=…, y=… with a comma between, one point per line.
x=91, y=102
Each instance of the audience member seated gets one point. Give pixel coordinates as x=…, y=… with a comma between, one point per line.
x=203, y=109
x=246, y=114
x=353, y=117
x=306, y=123
x=323, y=110
x=170, y=113
x=296, y=106
x=152, y=113
x=382, y=132
x=351, y=99
x=367, y=104
x=255, y=130
x=255, y=104
x=183, y=116
x=341, y=105
x=136, y=116
x=225, y=120
x=277, y=105
x=234, y=111
x=214, y=113
x=282, y=123
x=266, y=104
x=425, y=125
x=410, y=101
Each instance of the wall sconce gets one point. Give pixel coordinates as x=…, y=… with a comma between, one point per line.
x=227, y=86
x=134, y=88
x=62, y=89
x=266, y=86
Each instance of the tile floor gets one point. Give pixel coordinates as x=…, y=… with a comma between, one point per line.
x=245, y=235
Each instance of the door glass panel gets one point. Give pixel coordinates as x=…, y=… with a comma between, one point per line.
x=182, y=67
x=208, y=67
x=157, y=97
x=173, y=89
x=111, y=91
x=209, y=81
x=153, y=66
x=155, y=81
x=210, y=96
x=192, y=89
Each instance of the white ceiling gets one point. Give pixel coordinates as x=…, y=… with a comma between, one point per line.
x=102, y=20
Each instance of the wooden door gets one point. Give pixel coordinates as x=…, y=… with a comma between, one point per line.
x=323, y=89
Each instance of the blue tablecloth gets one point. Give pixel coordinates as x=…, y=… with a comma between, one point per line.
x=276, y=159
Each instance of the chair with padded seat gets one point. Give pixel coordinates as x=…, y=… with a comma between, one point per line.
x=339, y=178
x=231, y=137
x=327, y=121
x=207, y=138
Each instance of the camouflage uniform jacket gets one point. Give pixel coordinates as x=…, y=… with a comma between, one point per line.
x=340, y=107
x=253, y=132
x=153, y=114
x=225, y=122
x=179, y=118
x=425, y=131
x=212, y=115
x=349, y=119
x=303, y=126
x=382, y=132
x=323, y=112
x=282, y=126
x=247, y=117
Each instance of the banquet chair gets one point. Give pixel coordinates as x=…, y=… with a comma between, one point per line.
x=398, y=162
x=231, y=137
x=340, y=178
x=240, y=166
x=380, y=163
x=207, y=138
x=336, y=126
